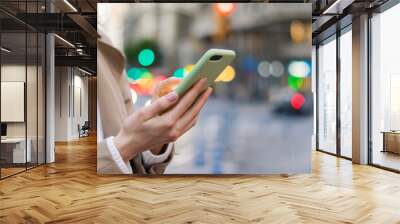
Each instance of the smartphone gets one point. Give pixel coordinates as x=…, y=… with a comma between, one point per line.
x=210, y=65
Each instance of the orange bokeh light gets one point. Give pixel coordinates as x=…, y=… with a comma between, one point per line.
x=224, y=9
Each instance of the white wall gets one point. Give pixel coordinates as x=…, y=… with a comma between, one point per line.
x=34, y=126
x=80, y=100
x=12, y=73
x=62, y=81
x=69, y=85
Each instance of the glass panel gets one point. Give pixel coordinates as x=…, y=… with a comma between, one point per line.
x=32, y=89
x=313, y=87
x=386, y=89
x=327, y=96
x=346, y=94
x=13, y=87
x=31, y=98
x=23, y=90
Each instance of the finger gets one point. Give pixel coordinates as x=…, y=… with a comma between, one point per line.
x=191, y=124
x=164, y=87
x=188, y=99
x=158, y=106
x=194, y=110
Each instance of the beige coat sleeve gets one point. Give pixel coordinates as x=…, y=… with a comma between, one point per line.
x=115, y=104
x=138, y=166
x=106, y=165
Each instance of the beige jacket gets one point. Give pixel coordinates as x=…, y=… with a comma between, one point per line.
x=114, y=105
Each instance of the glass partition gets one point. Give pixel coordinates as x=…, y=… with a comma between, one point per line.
x=327, y=96
x=346, y=94
x=385, y=89
x=14, y=153
x=31, y=99
x=22, y=88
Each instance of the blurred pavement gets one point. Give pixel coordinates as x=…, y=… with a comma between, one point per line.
x=232, y=137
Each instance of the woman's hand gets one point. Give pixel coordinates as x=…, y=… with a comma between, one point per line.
x=155, y=125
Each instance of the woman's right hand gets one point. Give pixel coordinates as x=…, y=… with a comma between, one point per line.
x=153, y=125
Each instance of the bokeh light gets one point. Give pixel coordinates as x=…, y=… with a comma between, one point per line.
x=160, y=78
x=146, y=74
x=295, y=83
x=141, y=80
x=179, y=73
x=300, y=69
x=224, y=9
x=137, y=88
x=227, y=75
x=263, y=69
x=276, y=68
x=134, y=96
x=189, y=68
x=148, y=102
x=249, y=64
x=297, y=31
x=146, y=84
x=297, y=101
x=134, y=73
x=146, y=57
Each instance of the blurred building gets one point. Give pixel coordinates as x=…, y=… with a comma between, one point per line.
x=185, y=31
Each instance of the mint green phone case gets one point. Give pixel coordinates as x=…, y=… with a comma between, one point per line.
x=206, y=67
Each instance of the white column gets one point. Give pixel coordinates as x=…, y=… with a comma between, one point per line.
x=50, y=92
x=50, y=108
x=360, y=90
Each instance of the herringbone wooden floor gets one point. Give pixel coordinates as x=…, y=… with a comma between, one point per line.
x=70, y=191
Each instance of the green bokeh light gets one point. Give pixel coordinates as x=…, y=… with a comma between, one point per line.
x=179, y=73
x=146, y=74
x=134, y=73
x=146, y=57
x=295, y=83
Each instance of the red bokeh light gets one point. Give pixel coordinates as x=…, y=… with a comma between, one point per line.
x=297, y=101
x=160, y=78
x=137, y=88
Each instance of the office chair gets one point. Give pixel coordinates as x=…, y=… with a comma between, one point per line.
x=84, y=130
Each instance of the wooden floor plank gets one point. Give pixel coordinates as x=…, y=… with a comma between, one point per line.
x=70, y=191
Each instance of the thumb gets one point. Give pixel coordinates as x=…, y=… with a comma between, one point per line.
x=159, y=105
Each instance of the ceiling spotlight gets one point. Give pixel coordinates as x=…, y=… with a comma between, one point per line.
x=5, y=50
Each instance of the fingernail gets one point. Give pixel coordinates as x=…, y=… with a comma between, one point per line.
x=205, y=81
x=172, y=96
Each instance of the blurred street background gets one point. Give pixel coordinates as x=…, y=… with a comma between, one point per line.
x=260, y=116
